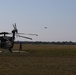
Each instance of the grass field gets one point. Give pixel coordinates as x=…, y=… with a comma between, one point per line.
x=40, y=60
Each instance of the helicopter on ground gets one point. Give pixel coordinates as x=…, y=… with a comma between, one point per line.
x=7, y=42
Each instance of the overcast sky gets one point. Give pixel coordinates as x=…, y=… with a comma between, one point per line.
x=32, y=16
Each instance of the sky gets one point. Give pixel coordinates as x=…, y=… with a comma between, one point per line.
x=32, y=16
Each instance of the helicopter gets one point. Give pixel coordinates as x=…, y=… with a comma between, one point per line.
x=7, y=42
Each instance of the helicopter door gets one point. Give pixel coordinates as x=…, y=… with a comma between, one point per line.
x=3, y=43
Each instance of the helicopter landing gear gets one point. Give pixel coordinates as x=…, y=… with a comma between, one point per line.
x=10, y=50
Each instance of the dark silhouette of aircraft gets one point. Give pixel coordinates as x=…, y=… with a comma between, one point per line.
x=7, y=42
x=45, y=27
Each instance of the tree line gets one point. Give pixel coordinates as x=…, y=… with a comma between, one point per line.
x=52, y=43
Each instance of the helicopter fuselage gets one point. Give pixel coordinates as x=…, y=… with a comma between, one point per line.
x=6, y=42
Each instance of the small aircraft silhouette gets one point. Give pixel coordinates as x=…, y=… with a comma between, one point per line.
x=7, y=42
x=45, y=27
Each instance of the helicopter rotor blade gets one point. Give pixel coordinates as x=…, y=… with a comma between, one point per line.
x=13, y=26
x=17, y=34
x=24, y=37
x=20, y=33
x=32, y=34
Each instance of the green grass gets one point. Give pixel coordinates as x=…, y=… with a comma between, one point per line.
x=41, y=60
